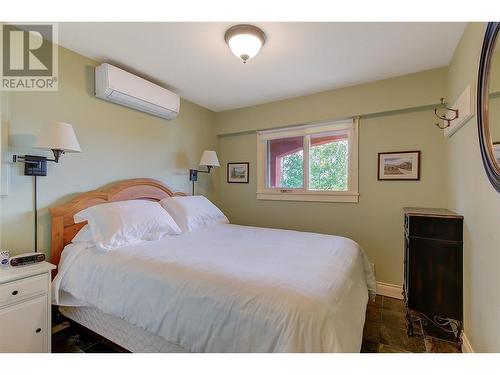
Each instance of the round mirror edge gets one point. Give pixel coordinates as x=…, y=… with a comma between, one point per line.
x=485, y=144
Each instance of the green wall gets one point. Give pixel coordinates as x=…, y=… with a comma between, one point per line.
x=470, y=194
x=376, y=221
x=393, y=94
x=117, y=142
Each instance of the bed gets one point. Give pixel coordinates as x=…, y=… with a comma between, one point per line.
x=223, y=288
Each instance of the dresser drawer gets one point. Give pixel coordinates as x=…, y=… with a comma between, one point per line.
x=437, y=228
x=21, y=289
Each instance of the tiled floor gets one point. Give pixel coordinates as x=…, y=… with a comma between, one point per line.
x=384, y=332
x=76, y=339
x=78, y=342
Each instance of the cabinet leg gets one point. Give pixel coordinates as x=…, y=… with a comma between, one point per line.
x=459, y=336
x=409, y=324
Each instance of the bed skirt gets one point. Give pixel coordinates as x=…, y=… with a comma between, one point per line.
x=119, y=331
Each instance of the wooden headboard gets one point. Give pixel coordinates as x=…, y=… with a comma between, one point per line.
x=63, y=225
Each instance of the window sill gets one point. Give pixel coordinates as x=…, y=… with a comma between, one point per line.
x=310, y=197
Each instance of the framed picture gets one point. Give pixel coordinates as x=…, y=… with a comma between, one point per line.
x=237, y=173
x=496, y=151
x=400, y=165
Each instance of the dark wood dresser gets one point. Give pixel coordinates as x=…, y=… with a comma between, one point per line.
x=433, y=269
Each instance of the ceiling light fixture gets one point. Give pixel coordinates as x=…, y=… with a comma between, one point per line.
x=245, y=41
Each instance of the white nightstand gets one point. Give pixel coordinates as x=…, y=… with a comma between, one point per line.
x=25, y=308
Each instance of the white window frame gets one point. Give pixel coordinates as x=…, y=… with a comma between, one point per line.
x=266, y=193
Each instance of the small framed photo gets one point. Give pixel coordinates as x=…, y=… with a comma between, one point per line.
x=400, y=165
x=237, y=173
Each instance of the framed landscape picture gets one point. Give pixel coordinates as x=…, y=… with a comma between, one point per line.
x=400, y=165
x=237, y=173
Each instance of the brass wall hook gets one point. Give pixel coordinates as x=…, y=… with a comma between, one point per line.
x=443, y=117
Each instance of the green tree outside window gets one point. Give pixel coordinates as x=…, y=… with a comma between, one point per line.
x=328, y=164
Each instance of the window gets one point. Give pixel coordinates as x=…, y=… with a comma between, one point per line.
x=309, y=163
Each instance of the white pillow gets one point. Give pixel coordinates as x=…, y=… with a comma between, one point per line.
x=193, y=212
x=83, y=235
x=117, y=224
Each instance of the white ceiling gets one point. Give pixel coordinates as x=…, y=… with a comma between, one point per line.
x=193, y=60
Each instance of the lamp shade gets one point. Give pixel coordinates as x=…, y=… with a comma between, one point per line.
x=58, y=136
x=209, y=159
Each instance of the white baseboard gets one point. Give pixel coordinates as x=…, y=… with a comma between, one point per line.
x=389, y=290
x=466, y=346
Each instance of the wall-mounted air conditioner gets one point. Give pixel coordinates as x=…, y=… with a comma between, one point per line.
x=121, y=87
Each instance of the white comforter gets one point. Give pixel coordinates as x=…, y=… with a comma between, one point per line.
x=230, y=288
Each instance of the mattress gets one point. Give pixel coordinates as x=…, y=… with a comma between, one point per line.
x=119, y=331
x=228, y=288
